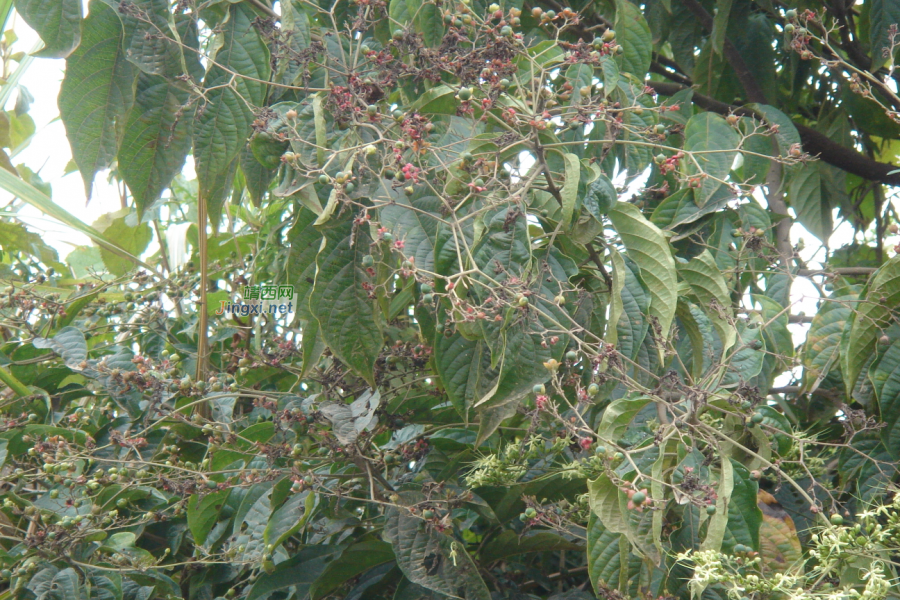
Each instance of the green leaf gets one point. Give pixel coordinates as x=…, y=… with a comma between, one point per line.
x=69, y=343
x=569, y=190
x=618, y=416
x=713, y=144
x=58, y=22
x=508, y=543
x=430, y=23
x=96, y=93
x=156, y=140
x=134, y=239
x=870, y=319
x=399, y=13
x=648, y=248
x=430, y=558
x=224, y=121
x=300, y=572
x=748, y=358
x=151, y=41
x=504, y=250
x=744, y=516
x=805, y=197
x=633, y=34
x=708, y=285
x=289, y=518
x=203, y=513
x=356, y=559
x=720, y=24
x=346, y=315
x=415, y=220
x=883, y=14
x=885, y=377
x=601, y=196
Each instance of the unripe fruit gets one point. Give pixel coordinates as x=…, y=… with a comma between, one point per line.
x=638, y=498
x=426, y=289
x=837, y=519
x=506, y=31
x=465, y=94
x=428, y=298
x=409, y=190
x=757, y=418
x=397, y=114
x=427, y=514
x=493, y=8
x=789, y=28
x=536, y=12
x=539, y=389
x=593, y=389
x=349, y=187
x=608, y=36
x=504, y=84
x=711, y=509
x=372, y=109
x=521, y=300
x=790, y=14
x=884, y=340
x=387, y=236
x=398, y=34
x=571, y=356
x=530, y=512
x=291, y=114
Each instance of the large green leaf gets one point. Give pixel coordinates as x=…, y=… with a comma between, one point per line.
x=646, y=246
x=712, y=144
x=340, y=303
x=58, y=22
x=805, y=196
x=356, y=559
x=885, y=376
x=870, y=318
x=708, y=285
x=224, y=121
x=156, y=140
x=299, y=572
x=429, y=557
x=883, y=15
x=133, y=238
x=151, y=41
x=611, y=564
x=415, y=221
x=203, y=513
x=633, y=34
x=97, y=92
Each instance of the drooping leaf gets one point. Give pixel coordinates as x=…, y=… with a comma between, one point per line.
x=713, y=144
x=805, y=196
x=97, y=92
x=224, y=121
x=58, y=22
x=340, y=301
x=646, y=246
x=708, y=284
x=156, y=140
x=431, y=558
x=870, y=318
x=633, y=34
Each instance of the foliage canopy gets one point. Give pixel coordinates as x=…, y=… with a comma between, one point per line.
x=541, y=338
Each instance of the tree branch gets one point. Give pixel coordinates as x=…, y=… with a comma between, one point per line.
x=814, y=143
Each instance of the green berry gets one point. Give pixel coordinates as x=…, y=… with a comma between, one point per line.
x=467, y=157
x=397, y=114
x=211, y=484
x=790, y=14
x=530, y=512
x=388, y=174
x=426, y=289
x=571, y=356
x=711, y=509
x=757, y=418
x=427, y=514
x=504, y=84
x=428, y=298
x=521, y=300
x=608, y=36
x=364, y=49
x=638, y=498
x=506, y=31
x=465, y=94
x=398, y=34
x=387, y=236
x=372, y=109
x=593, y=389
x=837, y=519
x=539, y=389
x=349, y=187
x=409, y=190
